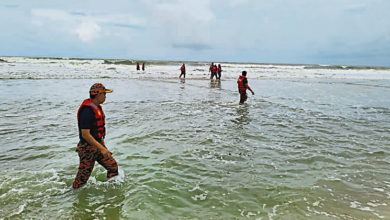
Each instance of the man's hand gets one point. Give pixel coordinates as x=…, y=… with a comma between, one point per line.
x=105, y=152
x=88, y=137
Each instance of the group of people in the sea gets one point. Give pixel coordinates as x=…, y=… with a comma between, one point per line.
x=214, y=69
x=91, y=126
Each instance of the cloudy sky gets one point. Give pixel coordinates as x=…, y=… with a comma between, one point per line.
x=352, y=32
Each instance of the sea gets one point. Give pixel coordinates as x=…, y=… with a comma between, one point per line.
x=313, y=142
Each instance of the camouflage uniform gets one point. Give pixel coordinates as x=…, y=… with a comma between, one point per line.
x=88, y=155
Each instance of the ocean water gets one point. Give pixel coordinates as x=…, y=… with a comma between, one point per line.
x=312, y=143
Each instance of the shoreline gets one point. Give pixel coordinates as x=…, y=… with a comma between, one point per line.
x=70, y=68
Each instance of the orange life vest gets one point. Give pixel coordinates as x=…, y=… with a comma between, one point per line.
x=98, y=130
x=240, y=82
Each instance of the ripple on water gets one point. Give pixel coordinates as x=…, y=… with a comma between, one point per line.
x=188, y=151
x=27, y=190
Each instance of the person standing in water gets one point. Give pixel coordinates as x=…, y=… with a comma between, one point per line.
x=91, y=148
x=211, y=70
x=219, y=71
x=137, y=66
x=183, y=71
x=243, y=86
x=143, y=66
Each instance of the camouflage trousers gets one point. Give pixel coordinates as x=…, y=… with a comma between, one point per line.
x=88, y=155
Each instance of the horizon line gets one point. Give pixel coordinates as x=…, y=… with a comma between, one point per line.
x=200, y=61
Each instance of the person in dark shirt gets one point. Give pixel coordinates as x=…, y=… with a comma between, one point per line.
x=86, y=117
x=243, y=86
x=92, y=148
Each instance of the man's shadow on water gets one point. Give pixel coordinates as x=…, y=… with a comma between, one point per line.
x=182, y=82
x=215, y=83
x=242, y=115
x=97, y=203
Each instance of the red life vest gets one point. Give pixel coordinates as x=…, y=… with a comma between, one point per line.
x=98, y=130
x=183, y=68
x=240, y=82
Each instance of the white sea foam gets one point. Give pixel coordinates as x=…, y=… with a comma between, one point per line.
x=33, y=68
x=120, y=178
x=200, y=197
x=20, y=209
x=379, y=189
x=195, y=188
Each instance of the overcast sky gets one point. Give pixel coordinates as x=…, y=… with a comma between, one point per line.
x=351, y=32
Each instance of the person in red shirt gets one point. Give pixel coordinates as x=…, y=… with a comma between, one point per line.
x=243, y=86
x=219, y=71
x=214, y=71
x=183, y=71
x=211, y=70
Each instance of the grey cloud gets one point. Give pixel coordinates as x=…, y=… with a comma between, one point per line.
x=137, y=27
x=78, y=13
x=375, y=52
x=11, y=6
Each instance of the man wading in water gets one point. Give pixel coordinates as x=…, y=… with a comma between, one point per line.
x=243, y=86
x=91, y=148
x=183, y=71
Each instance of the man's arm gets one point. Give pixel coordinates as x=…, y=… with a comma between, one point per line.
x=248, y=87
x=85, y=133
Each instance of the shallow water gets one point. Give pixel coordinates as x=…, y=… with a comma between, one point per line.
x=300, y=148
